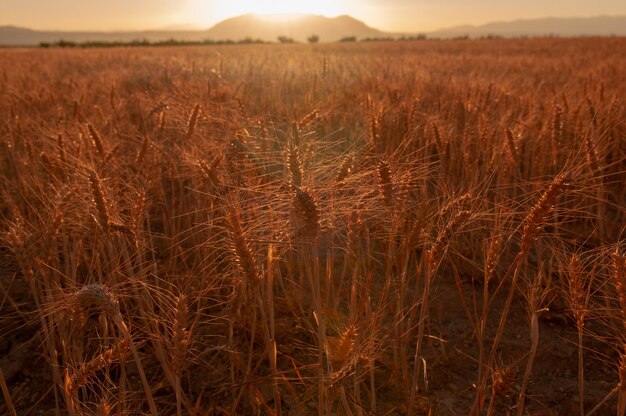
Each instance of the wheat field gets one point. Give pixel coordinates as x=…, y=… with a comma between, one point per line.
x=380, y=228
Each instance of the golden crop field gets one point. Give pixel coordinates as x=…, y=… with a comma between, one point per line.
x=371, y=228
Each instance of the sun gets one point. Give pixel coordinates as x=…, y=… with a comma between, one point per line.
x=324, y=7
x=214, y=11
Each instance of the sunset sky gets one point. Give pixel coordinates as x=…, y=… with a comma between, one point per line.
x=390, y=15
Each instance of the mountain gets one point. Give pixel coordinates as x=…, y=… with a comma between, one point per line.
x=574, y=26
x=268, y=28
x=297, y=27
x=16, y=36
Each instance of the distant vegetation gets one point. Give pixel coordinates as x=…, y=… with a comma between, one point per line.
x=144, y=42
x=313, y=39
x=246, y=41
x=392, y=39
x=285, y=39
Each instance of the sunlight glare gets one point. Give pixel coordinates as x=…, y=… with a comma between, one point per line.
x=213, y=11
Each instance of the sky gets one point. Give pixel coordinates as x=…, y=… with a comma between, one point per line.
x=388, y=15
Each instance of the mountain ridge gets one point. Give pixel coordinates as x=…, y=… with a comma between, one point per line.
x=252, y=26
x=299, y=27
x=560, y=26
x=329, y=29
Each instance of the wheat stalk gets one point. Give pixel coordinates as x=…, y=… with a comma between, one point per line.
x=306, y=214
x=438, y=248
x=192, y=122
x=7, y=395
x=98, y=297
x=244, y=256
x=96, y=139
x=103, y=216
x=309, y=118
x=102, y=209
x=80, y=377
x=534, y=221
x=294, y=166
x=618, y=267
x=180, y=343
x=385, y=182
x=531, y=228
x=578, y=305
x=345, y=169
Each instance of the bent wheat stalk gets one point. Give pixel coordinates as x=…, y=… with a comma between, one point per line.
x=98, y=296
x=531, y=229
x=7, y=395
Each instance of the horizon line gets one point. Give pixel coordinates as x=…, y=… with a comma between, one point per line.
x=198, y=28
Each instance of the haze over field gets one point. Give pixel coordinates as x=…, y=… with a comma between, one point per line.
x=394, y=16
x=329, y=29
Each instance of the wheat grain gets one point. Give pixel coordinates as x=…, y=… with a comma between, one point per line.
x=192, y=122
x=96, y=139
x=534, y=221
x=306, y=215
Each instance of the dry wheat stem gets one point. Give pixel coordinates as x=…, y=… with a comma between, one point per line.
x=81, y=376
x=101, y=298
x=192, y=122
x=244, y=256
x=294, y=164
x=96, y=140
x=532, y=226
x=7, y=395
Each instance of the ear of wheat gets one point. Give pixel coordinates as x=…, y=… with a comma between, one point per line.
x=534, y=221
x=385, y=182
x=243, y=254
x=306, y=215
x=192, y=122
x=96, y=139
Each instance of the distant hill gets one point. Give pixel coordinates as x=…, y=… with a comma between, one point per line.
x=329, y=29
x=575, y=26
x=298, y=27
x=11, y=35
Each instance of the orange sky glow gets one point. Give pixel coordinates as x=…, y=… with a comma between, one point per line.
x=389, y=15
